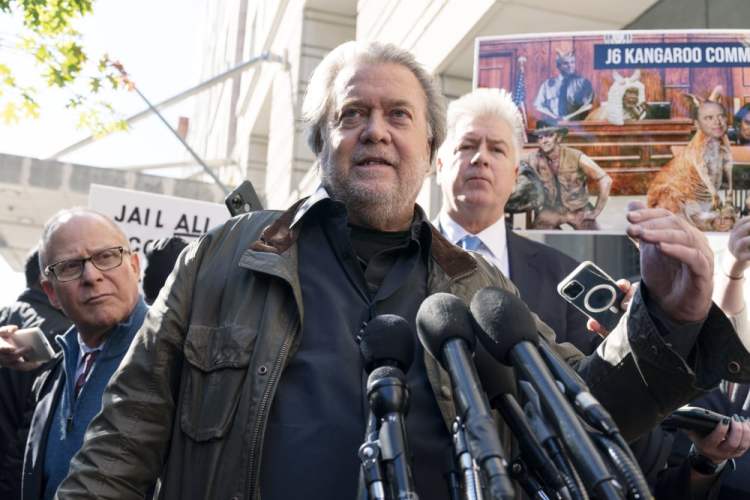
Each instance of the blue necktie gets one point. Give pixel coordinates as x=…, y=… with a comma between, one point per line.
x=470, y=242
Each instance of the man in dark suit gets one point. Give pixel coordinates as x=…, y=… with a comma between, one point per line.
x=477, y=168
x=31, y=309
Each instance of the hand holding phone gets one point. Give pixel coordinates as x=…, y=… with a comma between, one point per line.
x=694, y=418
x=23, y=349
x=594, y=293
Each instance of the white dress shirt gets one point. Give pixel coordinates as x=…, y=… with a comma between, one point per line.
x=494, y=241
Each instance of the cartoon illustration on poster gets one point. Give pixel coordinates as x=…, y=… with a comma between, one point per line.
x=662, y=117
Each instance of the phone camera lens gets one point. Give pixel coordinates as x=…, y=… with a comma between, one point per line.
x=573, y=290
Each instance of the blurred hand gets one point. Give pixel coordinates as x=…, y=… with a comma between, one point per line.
x=629, y=290
x=676, y=262
x=11, y=356
x=726, y=441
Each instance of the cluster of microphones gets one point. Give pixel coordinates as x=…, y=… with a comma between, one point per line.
x=569, y=446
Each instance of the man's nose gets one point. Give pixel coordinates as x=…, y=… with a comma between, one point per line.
x=90, y=272
x=480, y=157
x=376, y=129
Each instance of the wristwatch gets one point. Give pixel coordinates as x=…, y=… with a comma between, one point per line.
x=703, y=465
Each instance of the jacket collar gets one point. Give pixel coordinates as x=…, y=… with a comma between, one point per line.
x=283, y=232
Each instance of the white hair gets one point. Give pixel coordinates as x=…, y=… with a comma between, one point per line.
x=497, y=103
x=318, y=104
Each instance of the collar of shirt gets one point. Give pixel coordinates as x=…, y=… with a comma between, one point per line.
x=494, y=240
x=83, y=349
x=420, y=227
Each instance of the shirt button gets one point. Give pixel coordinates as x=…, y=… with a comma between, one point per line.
x=734, y=367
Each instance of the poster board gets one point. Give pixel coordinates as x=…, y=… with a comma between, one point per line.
x=628, y=101
x=146, y=217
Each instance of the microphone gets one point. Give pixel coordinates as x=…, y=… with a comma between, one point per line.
x=508, y=331
x=497, y=383
x=578, y=392
x=387, y=348
x=387, y=340
x=445, y=329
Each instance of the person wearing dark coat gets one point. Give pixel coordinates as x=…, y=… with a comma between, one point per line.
x=161, y=257
x=31, y=309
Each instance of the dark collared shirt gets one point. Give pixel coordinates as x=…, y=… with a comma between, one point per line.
x=318, y=419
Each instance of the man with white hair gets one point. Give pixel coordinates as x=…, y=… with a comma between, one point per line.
x=246, y=380
x=477, y=167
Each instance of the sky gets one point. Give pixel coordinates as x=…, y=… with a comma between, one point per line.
x=159, y=43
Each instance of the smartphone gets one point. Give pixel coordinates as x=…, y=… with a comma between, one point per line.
x=693, y=418
x=594, y=293
x=243, y=199
x=41, y=350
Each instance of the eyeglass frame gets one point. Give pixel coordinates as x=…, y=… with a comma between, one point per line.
x=49, y=270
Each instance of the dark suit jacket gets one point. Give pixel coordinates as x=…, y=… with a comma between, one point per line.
x=32, y=308
x=47, y=390
x=536, y=269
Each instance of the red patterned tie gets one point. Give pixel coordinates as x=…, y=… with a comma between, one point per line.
x=88, y=362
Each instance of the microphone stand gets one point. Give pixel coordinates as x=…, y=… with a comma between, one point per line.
x=371, y=478
x=389, y=401
x=533, y=411
x=472, y=486
x=533, y=488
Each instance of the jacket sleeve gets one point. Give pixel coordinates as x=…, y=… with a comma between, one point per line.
x=637, y=375
x=640, y=378
x=126, y=444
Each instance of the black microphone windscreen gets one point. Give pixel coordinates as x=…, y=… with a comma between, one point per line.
x=387, y=338
x=496, y=378
x=442, y=317
x=387, y=371
x=504, y=320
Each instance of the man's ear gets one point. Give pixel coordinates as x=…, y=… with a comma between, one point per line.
x=51, y=295
x=438, y=168
x=135, y=262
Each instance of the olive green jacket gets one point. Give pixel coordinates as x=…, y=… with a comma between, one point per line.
x=191, y=399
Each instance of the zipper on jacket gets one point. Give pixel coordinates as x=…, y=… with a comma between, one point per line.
x=260, y=420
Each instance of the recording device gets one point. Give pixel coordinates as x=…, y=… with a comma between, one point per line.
x=40, y=348
x=508, y=331
x=694, y=418
x=243, y=199
x=387, y=349
x=446, y=330
x=594, y=293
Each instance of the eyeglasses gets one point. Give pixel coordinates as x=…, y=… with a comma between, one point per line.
x=72, y=269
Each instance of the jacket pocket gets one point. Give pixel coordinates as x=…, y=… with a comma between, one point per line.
x=217, y=360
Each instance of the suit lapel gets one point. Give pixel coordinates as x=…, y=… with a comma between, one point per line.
x=523, y=272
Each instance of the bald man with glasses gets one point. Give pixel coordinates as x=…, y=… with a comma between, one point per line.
x=90, y=273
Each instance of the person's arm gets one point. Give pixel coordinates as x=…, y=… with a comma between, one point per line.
x=603, y=180
x=540, y=102
x=673, y=343
x=729, y=279
x=727, y=164
x=729, y=293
